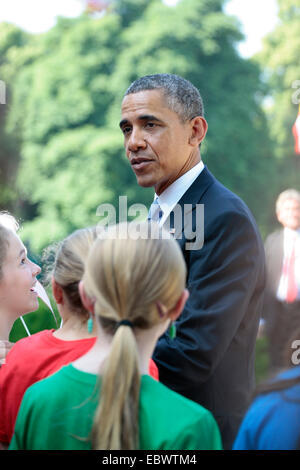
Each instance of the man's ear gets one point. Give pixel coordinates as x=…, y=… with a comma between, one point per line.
x=86, y=301
x=198, y=130
x=57, y=291
x=176, y=311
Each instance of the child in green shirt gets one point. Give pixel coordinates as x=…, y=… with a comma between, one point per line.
x=134, y=289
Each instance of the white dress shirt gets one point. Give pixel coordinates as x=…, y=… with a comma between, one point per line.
x=288, y=237
x=168, y=199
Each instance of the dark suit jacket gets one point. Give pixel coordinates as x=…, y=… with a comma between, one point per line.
x=211, y=360
x=282, y=319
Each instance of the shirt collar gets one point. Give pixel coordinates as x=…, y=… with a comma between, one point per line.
x=173, y=193
x=289, y=233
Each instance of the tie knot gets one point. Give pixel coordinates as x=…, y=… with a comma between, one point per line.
x=155, y=212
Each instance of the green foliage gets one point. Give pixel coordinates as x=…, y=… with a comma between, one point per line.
x=12, y=39
x=262, y=365
x=196, y=40
x=65, y=109
x=280, y=58
x=129, y=10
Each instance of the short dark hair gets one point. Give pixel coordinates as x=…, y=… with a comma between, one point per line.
x=181, y=96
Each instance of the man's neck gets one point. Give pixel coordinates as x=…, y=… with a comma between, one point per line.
x=189, y=164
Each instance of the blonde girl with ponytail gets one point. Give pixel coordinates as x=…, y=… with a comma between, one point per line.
x=134, y=287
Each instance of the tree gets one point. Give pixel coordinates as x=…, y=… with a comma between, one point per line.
x=129, y=10
x=197, y=40
x=67, y=97
x=280, y=60
x=12, y=39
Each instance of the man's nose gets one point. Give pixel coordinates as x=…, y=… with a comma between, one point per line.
x=136, y=140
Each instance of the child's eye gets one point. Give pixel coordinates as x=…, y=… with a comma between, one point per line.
x=23, y=260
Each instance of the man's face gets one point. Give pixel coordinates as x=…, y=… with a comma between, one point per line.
x=289, y=214
x=157, y=143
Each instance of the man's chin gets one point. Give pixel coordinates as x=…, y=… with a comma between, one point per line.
x=145, y=182
x=293, y=226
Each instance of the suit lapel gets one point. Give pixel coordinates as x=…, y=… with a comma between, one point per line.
x=179, y=217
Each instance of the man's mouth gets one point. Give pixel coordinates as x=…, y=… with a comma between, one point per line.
x=140, y=163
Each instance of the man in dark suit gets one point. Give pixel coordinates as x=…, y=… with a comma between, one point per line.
x=211, y=359
x=281, y=310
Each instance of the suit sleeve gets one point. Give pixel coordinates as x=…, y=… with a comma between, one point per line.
x=222, y=278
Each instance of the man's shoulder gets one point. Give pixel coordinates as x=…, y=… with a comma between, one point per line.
x=221, y=202
x=214, y=189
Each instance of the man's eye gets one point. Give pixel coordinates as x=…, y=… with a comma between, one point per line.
x=150, y=124
x=126, y=130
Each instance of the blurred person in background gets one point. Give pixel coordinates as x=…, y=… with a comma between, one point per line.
x=281, y=312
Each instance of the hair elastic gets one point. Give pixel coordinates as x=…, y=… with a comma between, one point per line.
x=125, y=322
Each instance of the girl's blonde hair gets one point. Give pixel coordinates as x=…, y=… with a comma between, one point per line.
x=68, y=266
x=8, y=224
x=127, y=278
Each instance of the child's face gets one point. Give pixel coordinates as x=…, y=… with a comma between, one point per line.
x=17, y=295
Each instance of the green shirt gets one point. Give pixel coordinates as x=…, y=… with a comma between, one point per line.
x=57, y=414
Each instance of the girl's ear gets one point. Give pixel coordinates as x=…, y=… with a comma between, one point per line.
x=57, y=292
x=86, y=301
x=176, y=311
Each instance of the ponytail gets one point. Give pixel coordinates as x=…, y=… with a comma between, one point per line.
x=116, y=419
x=126, y=277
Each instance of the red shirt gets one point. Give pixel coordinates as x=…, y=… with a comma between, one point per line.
x=32, y=359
